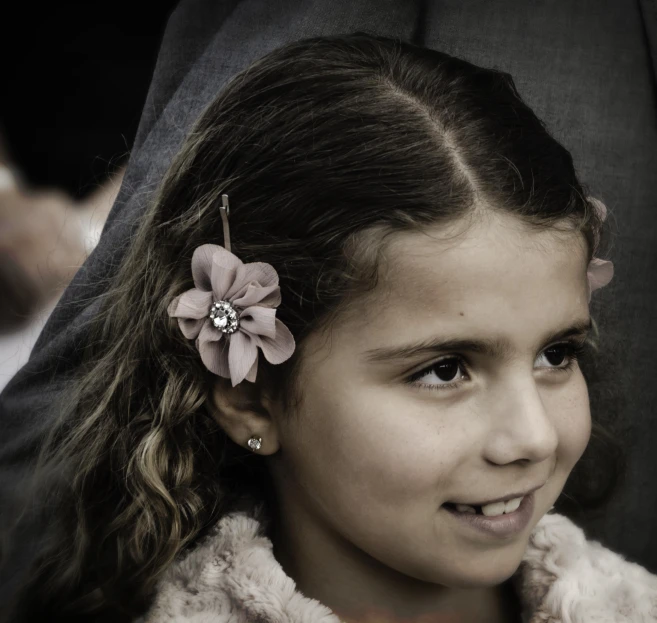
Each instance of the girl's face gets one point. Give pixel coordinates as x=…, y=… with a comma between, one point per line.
x=381, y=441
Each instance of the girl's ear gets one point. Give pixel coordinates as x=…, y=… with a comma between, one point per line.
x=244, y=412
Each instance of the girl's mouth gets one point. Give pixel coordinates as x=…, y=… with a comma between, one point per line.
x=501, y=519
x=489, y=510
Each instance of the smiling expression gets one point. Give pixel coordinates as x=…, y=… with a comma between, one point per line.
x=392, y=425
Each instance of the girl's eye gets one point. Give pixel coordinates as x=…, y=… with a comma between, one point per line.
x=439, y=375
x=444, y=373
x=570, y=351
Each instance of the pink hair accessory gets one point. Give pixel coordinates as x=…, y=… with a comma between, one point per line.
x=599, y=272
x=231, y=312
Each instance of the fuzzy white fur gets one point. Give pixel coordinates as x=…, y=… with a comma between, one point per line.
x=233, y=577
x=566, y=578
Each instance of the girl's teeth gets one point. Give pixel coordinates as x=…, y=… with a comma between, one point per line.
x=491, y=510
x=512, y=505
x=499, y=508
x=464, y=508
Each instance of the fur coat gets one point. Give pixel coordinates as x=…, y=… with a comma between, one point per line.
x=232, y=577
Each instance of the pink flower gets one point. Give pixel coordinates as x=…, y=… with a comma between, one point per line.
x=252, y=292
x=599, y=272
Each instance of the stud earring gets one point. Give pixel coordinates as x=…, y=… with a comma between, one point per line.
x=254, y=443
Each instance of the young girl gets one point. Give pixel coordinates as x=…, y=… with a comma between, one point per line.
x=336, y=377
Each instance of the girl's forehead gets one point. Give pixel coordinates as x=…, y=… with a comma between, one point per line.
x=496, y=248
x=493, y=267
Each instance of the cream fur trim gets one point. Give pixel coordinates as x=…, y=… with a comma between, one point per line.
x=233, y=577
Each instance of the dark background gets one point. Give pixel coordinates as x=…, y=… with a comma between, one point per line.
x=74, y=82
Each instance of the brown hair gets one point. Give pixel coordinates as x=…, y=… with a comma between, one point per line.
x=325, y=146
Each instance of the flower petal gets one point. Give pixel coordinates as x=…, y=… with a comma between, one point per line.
x=215, y=357
x=241, y=355
x=171, y=307
x=599, y=207
x=251, y=374
x=600, y=273
x=193, y=304
x=258, y=273
x=222, y=278
x=209, y=333
x=278, y=349
x=601, y=210
x=191, y=328
x=202, y=260
x=269, y=296
x=259, y=321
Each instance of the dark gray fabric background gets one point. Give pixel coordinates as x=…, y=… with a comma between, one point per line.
x=588, y=70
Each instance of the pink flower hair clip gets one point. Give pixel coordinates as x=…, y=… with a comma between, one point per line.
x=232, y=311
x=599, y=272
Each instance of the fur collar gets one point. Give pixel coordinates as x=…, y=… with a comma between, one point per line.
x=232, y=577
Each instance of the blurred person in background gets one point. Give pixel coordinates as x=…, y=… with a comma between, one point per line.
x=45, y=236
x=67, y=122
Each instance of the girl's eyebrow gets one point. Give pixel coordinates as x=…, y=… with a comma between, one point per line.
x=496, y=348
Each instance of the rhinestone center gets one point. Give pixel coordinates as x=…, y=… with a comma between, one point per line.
x=224, y=317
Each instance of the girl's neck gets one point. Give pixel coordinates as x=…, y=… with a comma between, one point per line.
x=359, y=589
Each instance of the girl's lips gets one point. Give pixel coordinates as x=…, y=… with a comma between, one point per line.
x=506, y=498
x=501, y=526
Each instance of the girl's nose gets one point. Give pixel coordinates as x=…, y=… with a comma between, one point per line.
x=521, y=428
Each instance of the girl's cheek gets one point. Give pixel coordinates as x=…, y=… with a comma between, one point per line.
x=581, y=437
x=375, y=449
x=575, y=427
